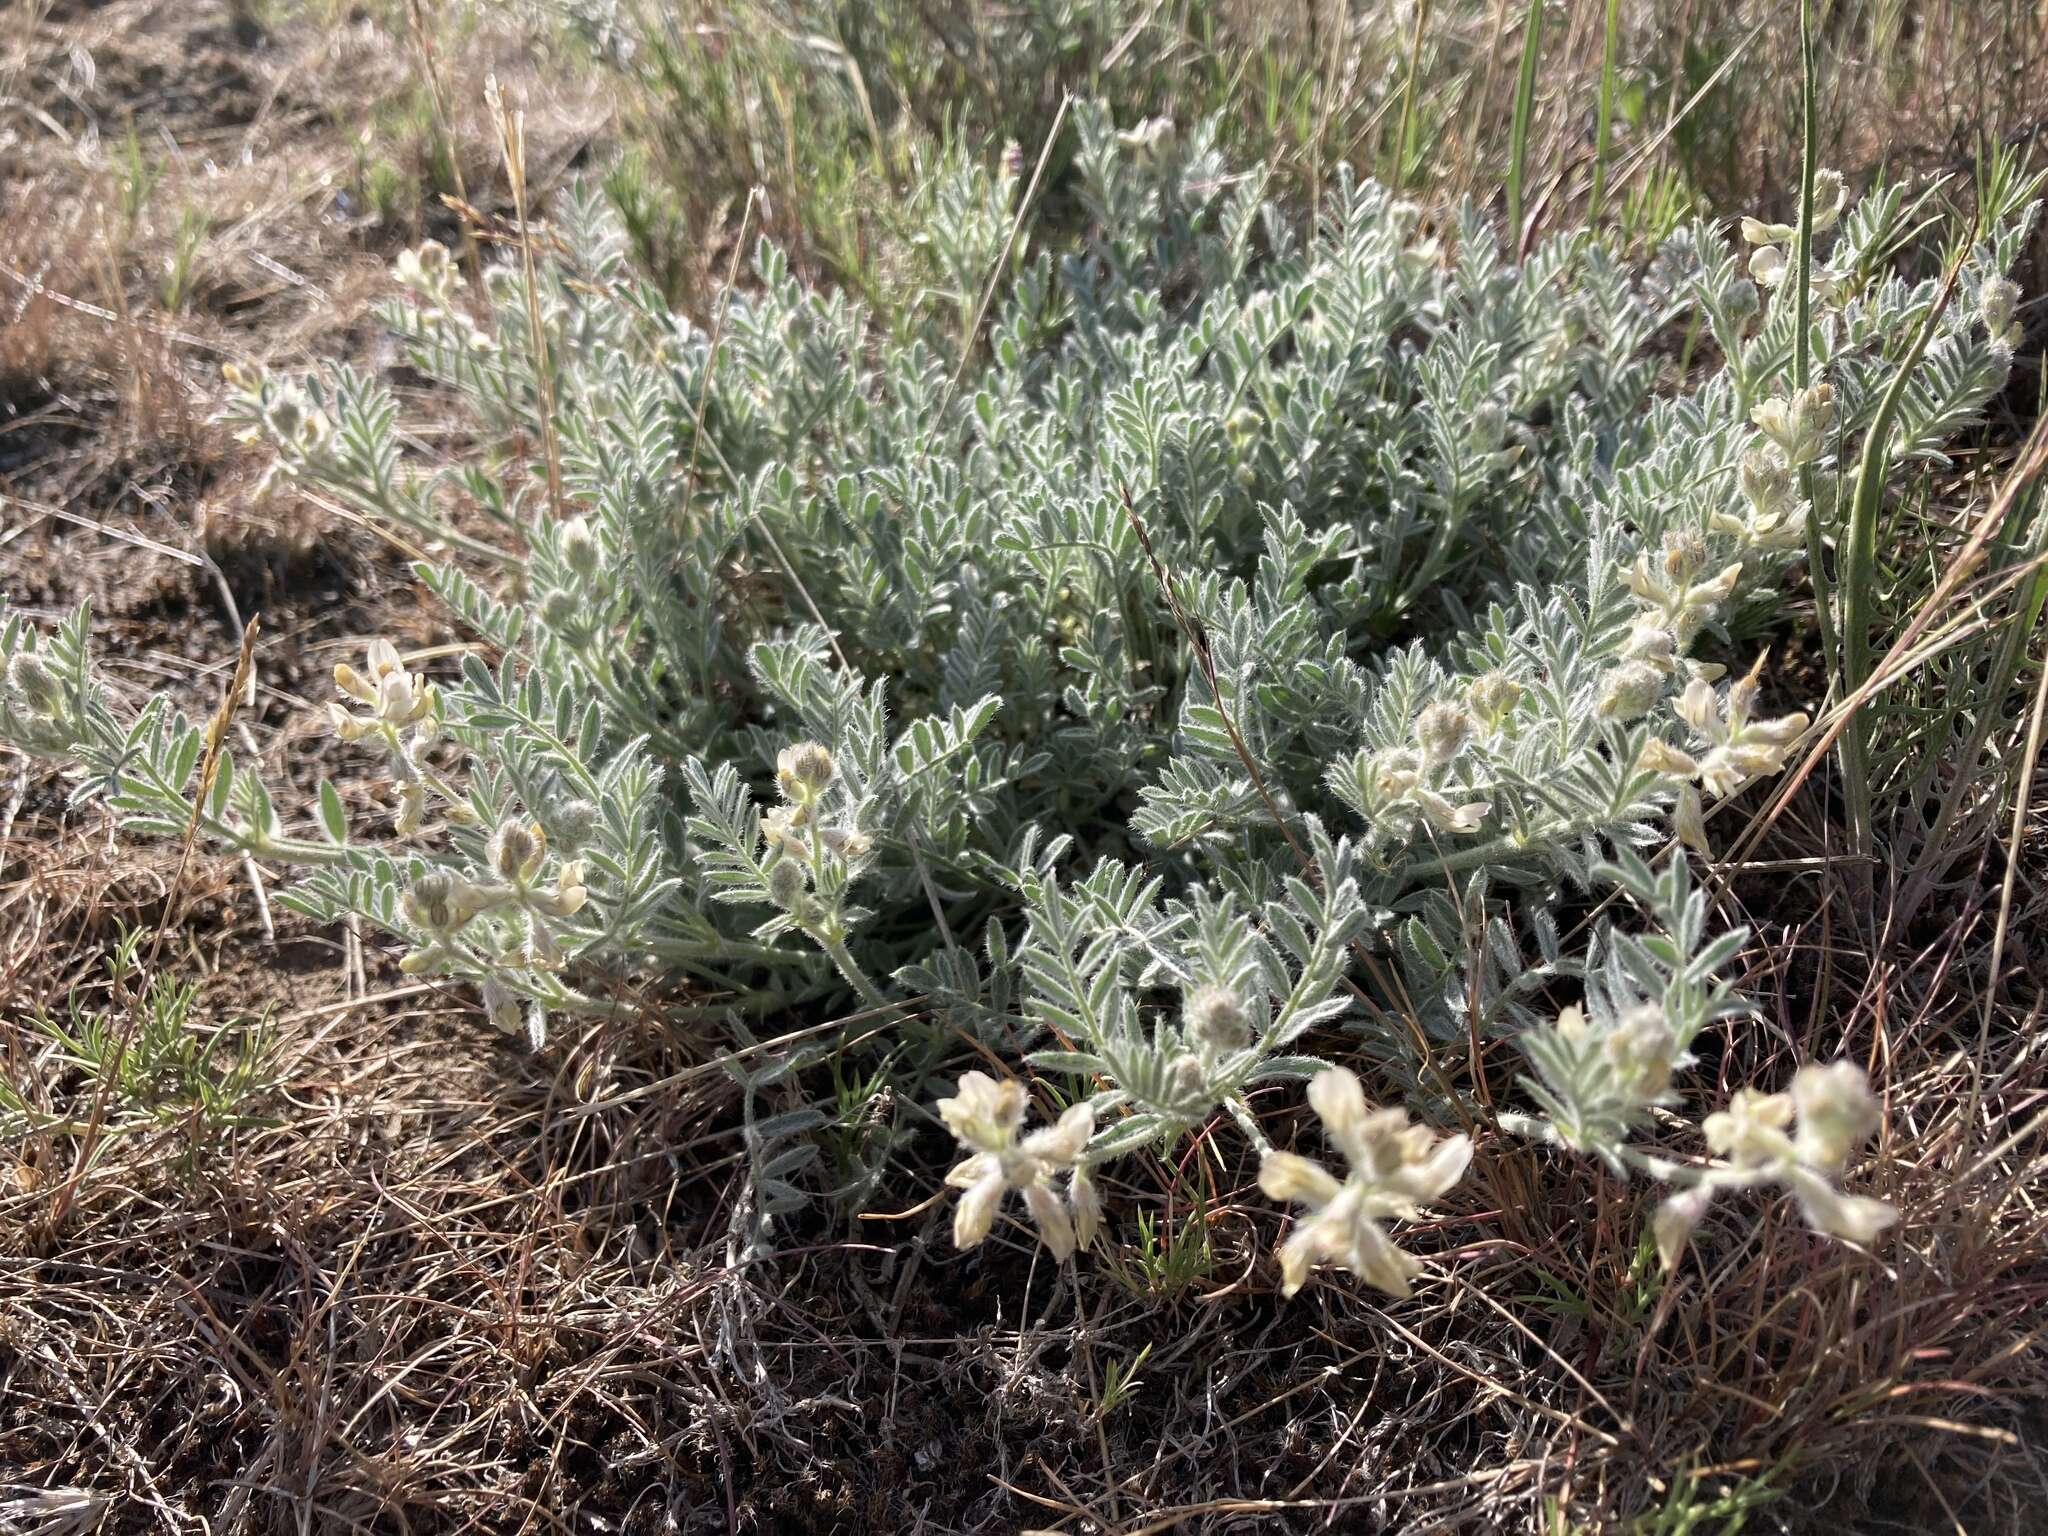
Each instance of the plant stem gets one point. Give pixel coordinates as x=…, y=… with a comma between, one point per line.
x=850, y=968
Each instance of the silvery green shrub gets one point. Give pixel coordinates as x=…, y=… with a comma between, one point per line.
x=1221, y=665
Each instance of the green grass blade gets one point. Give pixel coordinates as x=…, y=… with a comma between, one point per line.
x=1525, y=100
x=1603, y=129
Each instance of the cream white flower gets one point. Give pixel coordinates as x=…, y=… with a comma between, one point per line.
x=1398, y=780
x=412, y=808
x=1768, y=264
x=1493, y=697
x=394, y=697
x=1798, y=424
x=1836, y=1113
x=1394, y=1168
x=569, y=895
x=1801, y=1140
x=1739, y=748
x=430, y=272
x=987, y=1117
x=1830, y=197
x=803, y=770
x=1444, y=815
x=1997, y=300
x=1149, y=141
x=1671, y=595
x=1777, y=517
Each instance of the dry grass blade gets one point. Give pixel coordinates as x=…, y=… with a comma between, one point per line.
x=511, y=122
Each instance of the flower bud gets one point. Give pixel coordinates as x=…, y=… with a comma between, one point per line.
x=1087, y=1204
x=1215, y=1018
x=805, y=767
x=559, y=609
x=285, y=416
x=1190, y=1081
x=431, y=901
x=35, y=682
x=1442, y=730
x=579, y=547
x=1652, y=642
x=786, y=883
x=1674, y=1222
x=1493, y=697
x=1685, y=554
x=1489, y=425
x=1997, y=297
x=516, y=850
x=1689, y=821
x=501, y=1006
x=1630, y=691
x=574, y=822
x=1997, y=300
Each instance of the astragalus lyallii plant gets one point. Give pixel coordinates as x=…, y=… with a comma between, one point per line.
x=1208, y=679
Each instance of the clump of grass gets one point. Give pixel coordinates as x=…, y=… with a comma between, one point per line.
x=137, y=1062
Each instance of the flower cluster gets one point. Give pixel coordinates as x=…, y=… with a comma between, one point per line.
x=286, y=418
x=987, y=1117
x=1677, y=597
x=806, y=844
x=444, y=905
x=1402, y=789
x=1775, y=516
x=1151, y=141
x=1738, y=748
x=429, y=274
x=1801, y=1140
x=1395, y=1168
x=1799, y=424
x=1601, y=1078
x=399, y=711
x=1769, y=262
